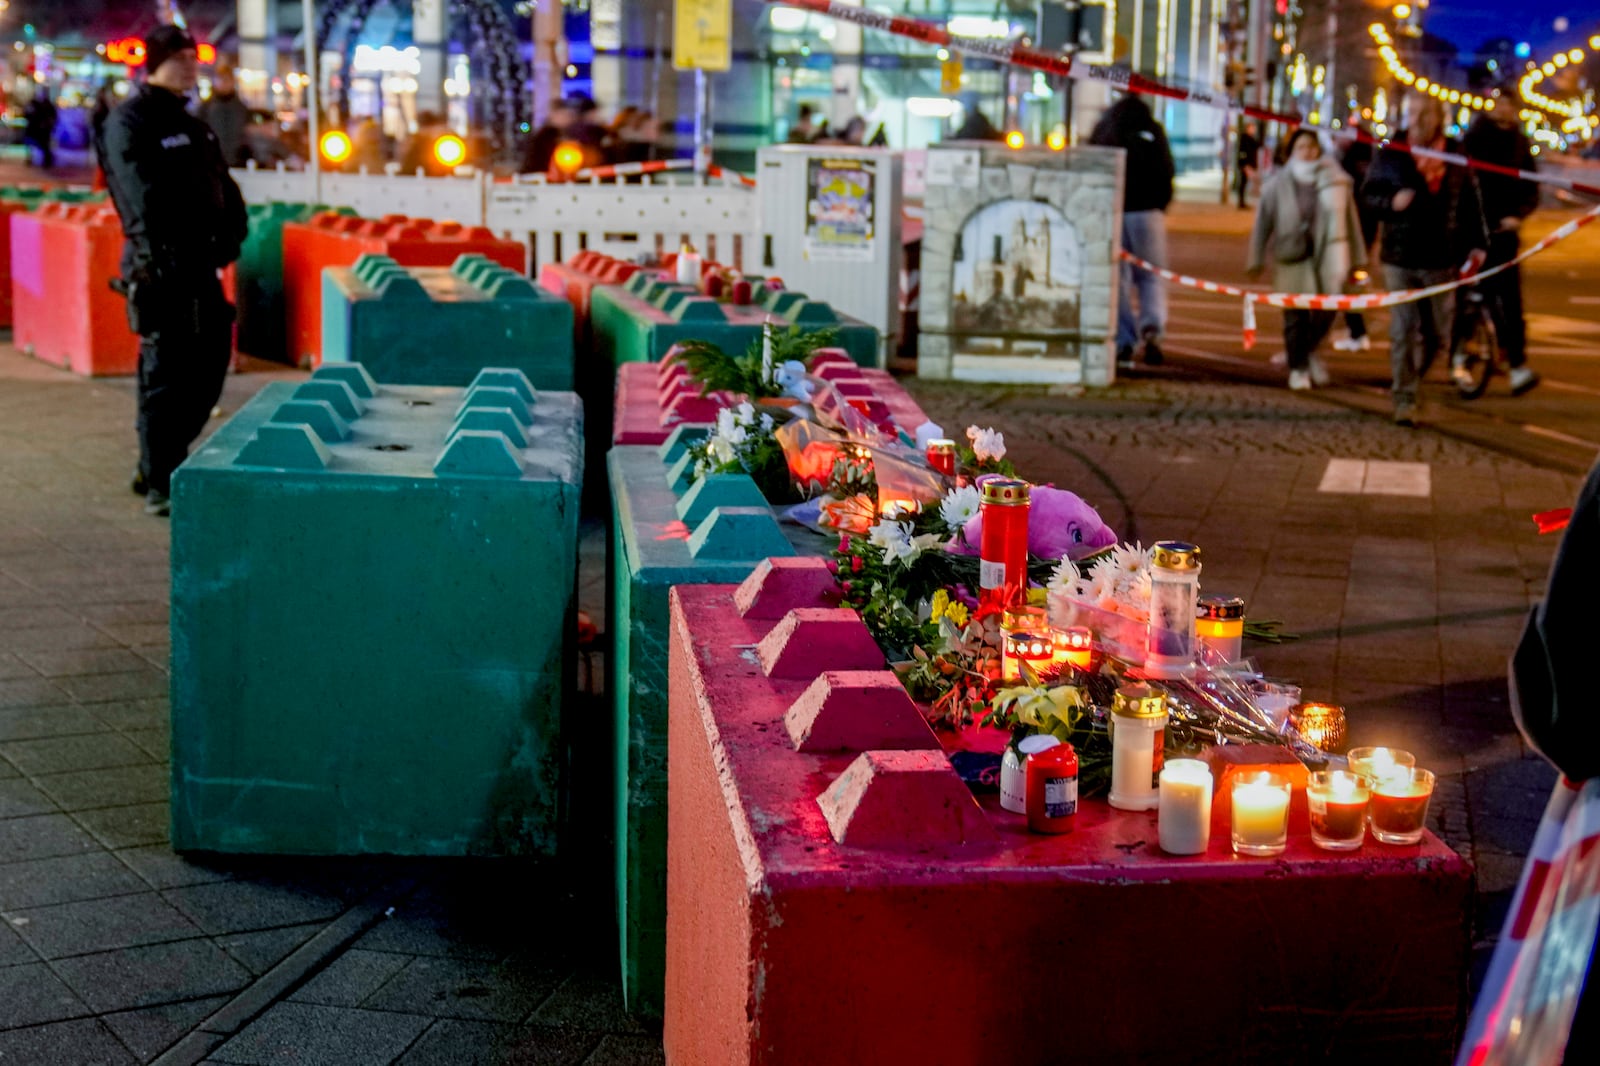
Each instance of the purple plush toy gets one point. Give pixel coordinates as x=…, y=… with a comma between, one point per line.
x=1059, y=523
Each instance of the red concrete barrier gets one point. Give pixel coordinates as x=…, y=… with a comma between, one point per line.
x=575, y=279
x=63, y=257
x=860, y=906
x=652, y=399
x=331, y=240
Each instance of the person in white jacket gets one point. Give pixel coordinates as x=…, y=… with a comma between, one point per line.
x=1307, y=224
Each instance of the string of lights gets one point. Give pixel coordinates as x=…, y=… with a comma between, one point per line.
x=1569, y=109
x=1391, y=58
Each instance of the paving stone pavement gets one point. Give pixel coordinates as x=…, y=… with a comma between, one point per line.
x=115, y=950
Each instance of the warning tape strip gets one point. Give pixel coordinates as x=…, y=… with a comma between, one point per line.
x=1020, y=55
x=656, y=166
x=1363, y=301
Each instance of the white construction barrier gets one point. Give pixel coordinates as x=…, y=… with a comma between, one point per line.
x=559, y=220
x=830, y=227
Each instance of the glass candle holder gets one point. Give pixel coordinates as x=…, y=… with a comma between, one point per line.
x=1400, y=805
x=1220, y=625
x=941, y=456
x=1174, y=595
x=1074, y=647
x=1260, y=814
x=1276, y=700
x=1025, y=638
x=1183, y=820
x=1338, y=802
x=1374, y=764
x=1322, y=725
x=1003, y=539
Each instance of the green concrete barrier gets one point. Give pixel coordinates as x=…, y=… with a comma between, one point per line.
x=373, y=607
x=438, y=326
x=718, y=530
x=258, y=278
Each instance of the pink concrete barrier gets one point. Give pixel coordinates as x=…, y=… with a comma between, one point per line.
x=860, y=906
x=654, y=398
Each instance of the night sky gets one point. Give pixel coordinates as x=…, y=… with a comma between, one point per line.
x=1468, y=23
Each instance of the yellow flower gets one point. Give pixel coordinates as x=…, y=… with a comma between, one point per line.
x=956, y=611
x=1038, y=597
x=939, y=605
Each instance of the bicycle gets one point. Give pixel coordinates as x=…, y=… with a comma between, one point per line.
x=1476, y=354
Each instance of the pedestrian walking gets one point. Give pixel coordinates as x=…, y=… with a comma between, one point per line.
x=1146, y=192
x=1507, y=201
x=229, y=118
x=1249, y=149
x=1432, y=228
x=39, y=127
x=1356, y=159
x=1306, y=223
x=183, y=221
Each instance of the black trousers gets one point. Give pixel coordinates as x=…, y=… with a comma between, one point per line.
x=1302, y=332
x=183, y=362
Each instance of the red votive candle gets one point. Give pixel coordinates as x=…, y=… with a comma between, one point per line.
x=1400, y=806
x=942, y=456
x=1052, y=783
x=1337, y=800
x=1003, y=545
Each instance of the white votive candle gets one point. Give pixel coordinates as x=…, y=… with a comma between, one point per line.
x=1260, y=814
x=1184, y=818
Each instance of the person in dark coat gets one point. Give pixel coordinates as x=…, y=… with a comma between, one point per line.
x=977, y=127
x=1147, y=190
x=1356, y=160
x=39, y=130
x=1432, y=228
x=1249, y=149
x=183, y=220
x=1495, y=137
x=228, y=117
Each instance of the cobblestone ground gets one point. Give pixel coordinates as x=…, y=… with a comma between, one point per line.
x=115, y=950
x=1406, y=607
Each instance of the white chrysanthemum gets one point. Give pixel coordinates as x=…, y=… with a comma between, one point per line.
x=959, y=506
x=766, y=422
x=1065, y=578
x=1131, y=559
x=987, y=443
x=729, y=431
x=722, y=450
x=895, y=539
x=746, y=413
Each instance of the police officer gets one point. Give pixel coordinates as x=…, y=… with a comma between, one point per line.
x=184, y=220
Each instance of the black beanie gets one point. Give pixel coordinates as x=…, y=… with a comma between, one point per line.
x=163, y=43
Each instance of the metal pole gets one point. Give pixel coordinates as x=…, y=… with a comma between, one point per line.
x=702, y=126
x=309, y=32
x=1333, y=110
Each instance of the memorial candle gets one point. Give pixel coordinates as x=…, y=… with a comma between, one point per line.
x=1003, y=541
x=1183, y=820
x=1374, y=764
x=1400, y=806
x=1075, y=647
x=1337, y=800
x=1260, y=814
x=941, y=456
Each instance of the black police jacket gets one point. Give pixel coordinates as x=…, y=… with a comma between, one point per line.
x=181, y=211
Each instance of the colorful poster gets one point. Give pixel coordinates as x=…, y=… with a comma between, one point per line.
x=840, y=197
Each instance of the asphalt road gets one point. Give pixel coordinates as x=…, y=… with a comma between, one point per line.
x=1556, y=425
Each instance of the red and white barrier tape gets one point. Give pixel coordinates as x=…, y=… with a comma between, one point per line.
x=656, y=166
x=1359, y=302
x=1019, y=55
